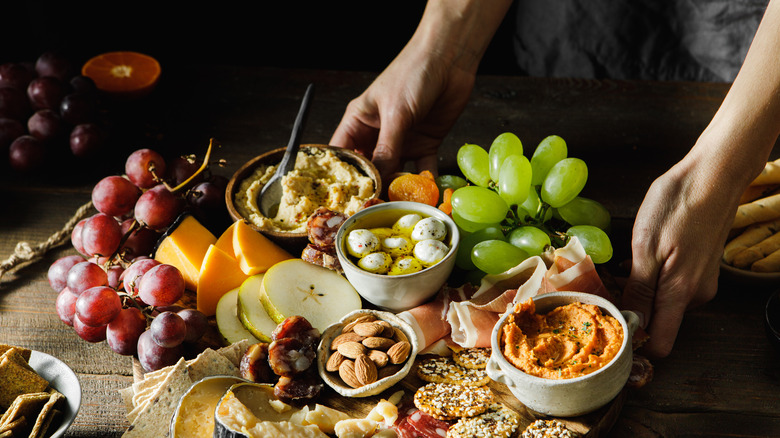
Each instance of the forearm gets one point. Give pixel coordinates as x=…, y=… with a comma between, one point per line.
x=747, y=124
x=457, y=32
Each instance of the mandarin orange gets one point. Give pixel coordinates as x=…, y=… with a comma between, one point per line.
x=123, y=74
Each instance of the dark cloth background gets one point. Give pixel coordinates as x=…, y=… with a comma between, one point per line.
x=696, y=40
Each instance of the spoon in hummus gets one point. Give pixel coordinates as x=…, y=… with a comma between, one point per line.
x=271, y=194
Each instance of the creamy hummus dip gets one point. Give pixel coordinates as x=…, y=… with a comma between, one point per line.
x=319, y=178
x=569, y=341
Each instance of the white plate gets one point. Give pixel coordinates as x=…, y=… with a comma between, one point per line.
x=64, y=380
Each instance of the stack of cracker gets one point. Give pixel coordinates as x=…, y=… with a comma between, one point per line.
x=30, y=406
x=150, y=402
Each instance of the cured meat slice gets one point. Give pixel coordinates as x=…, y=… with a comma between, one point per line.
x=406, y=430
x=428, y=426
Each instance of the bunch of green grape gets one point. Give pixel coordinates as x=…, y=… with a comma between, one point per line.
x=510, y=208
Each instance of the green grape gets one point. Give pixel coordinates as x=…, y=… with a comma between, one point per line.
x=564, y=181
x=594, y=240
x=463, y=257
x=473, y=162
x=505, y=145
x=496, y=256
x=550, y=151
x=479, y=204
x=585, y=211
x=531, y=206
x=514, y=182
x=467, y=225
x=453, y=182
x=530, y=239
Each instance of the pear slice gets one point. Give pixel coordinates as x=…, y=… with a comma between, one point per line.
x=251, y=312
x=228, y=324
x=295, y=287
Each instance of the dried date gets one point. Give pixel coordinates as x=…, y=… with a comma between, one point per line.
x=254, y=364
x=299, y=389
x=289, y=356
x=322, y=227
x=297, y=327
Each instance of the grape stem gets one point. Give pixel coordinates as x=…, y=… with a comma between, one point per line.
x=145, y=311
x=200, y=170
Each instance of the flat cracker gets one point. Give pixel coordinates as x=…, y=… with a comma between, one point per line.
x=445, y=401
x=156, y=415
x=235, y=351
x=472, y=358
x=127, y=397
x=24, y=352
x=7, y=434
x=211, y=363
x=16, y=427
x=46, y=415
x=25, y=405
x=440, y=369
x=497, y=422
x=17, y=379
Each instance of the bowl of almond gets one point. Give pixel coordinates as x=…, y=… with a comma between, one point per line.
x=366, y=352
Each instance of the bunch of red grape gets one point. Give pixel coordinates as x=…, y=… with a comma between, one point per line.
x=45, y=107
x=113, y=290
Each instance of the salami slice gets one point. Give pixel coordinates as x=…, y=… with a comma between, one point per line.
x=406, y=430
x=428, y=426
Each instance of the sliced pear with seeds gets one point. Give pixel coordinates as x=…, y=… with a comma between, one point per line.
x=251, y=311
x=295, y=287
x=228, y=324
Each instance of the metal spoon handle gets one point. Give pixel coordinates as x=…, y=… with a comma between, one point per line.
x=288, y=161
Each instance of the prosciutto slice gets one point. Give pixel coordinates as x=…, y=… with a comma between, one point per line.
x=466, y=316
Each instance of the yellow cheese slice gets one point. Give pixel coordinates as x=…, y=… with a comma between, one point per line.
x=184, y=248
x=225, y=241
x=219, y=274
x=255, y=253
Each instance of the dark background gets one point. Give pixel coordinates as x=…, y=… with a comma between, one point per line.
x=343, y=35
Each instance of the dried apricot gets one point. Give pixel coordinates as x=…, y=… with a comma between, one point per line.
x=446, y=203
x=414, y=187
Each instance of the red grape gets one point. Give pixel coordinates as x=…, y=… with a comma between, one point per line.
x=54, y=64
x=206, y=196
x=114, y=274
x=46, y=125
x=122, y=332
x=16, y=75
x=168, y=329
x=162, y=285
x=27, y=153
x=158, y=207
x=75, y=236
x=132, y=275
x=140, y=242
x=115, y=196
x=87, y=332
x=139, y=166
x=66, y=306
x=13, y=104
x=78, y=108
x=46, y=92
x=181, y=168
x=86, y=139
x=58, y=271
x=196, y=322
x=153, y=357
x=101, y=235
x=84, y=275
x=83, y=84
x=98, y=305
x=10, y=130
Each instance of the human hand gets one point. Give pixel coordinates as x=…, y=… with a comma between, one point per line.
x=677, y=244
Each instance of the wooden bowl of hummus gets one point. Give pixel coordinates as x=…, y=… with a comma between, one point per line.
x=574, y=357
x=337, y=178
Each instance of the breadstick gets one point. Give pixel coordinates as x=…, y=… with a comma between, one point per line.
x=760, y=210
x=749, y=237
x=755, y=192
x=770, y=263
x=746, y=257
x=769, y=175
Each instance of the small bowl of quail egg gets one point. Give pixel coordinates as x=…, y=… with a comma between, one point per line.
x=397, y=254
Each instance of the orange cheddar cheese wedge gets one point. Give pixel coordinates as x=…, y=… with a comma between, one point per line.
x=225, y=241
x=219, y=274
x=255, y=253
x=185, y=247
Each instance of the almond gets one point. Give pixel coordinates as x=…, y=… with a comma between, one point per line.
x=379, y=358
x=334, y=361
x=368, y=329
x=347, y=374
x=351, y=349
x=344, y=337
x=399, y=352
x=363, y=318
x=365, y=370
x=378, y=342
x=388, y=371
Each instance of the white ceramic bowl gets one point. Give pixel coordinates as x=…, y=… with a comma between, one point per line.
x=397, y=292
x=64, y=380
x=566, y=397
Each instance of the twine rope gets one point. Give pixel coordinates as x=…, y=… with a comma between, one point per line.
x=24, y=252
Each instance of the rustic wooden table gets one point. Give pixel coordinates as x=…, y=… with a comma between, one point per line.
x=722, y=378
